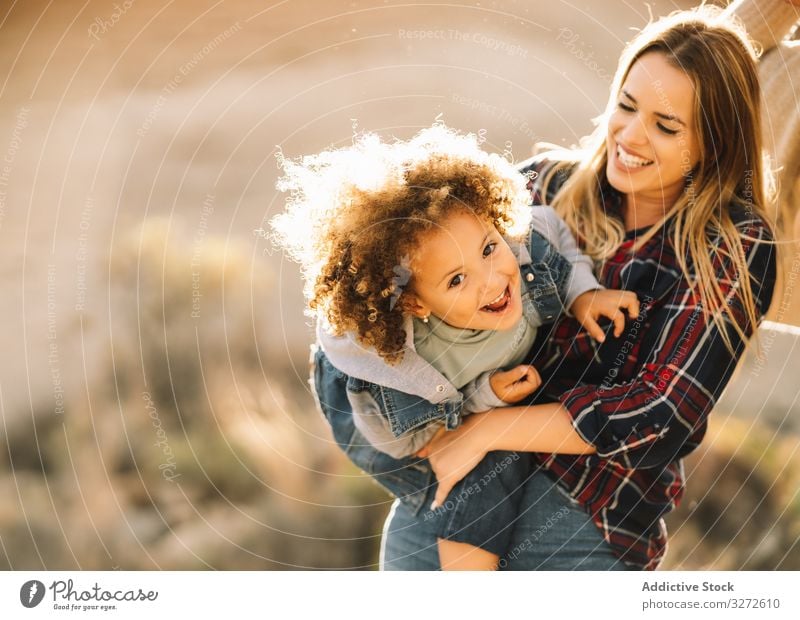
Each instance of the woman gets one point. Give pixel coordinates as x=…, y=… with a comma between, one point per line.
x=669, y=198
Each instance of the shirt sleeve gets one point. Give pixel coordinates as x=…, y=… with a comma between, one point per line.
x=479, y=395
x=660, y=415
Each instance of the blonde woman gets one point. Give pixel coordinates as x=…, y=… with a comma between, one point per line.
x=669, y=197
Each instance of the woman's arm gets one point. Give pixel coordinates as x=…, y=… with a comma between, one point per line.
x=539, y=428
x=767, y=21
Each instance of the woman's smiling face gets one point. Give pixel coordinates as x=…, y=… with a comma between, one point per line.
x=652, y=144
x=466, y=275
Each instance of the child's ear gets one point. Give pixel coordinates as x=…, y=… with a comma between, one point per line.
x=409, y=304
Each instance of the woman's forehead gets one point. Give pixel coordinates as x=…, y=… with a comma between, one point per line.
x=659, y=86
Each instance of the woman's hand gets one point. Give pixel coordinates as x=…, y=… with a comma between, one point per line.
x=453, y=454
x=591, y=305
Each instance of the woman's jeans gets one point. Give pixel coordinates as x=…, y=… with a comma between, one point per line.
x=550, y=534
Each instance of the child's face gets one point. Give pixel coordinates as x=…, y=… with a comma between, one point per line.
x=466, y=275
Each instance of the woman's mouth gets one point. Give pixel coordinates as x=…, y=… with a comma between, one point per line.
x=628, y=162
x=499, y=303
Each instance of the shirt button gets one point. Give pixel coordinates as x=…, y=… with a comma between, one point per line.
x=440, y=388
x=530, y=277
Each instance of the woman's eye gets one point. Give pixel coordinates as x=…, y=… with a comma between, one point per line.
x=625, y=106
x=457, y=279
x=667, y=130
x=489, y=249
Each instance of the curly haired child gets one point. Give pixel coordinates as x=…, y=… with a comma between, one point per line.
x=429, y=275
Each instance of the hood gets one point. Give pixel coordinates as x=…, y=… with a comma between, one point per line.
x=412, y=375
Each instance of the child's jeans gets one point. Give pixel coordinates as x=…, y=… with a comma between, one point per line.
x=480, y=510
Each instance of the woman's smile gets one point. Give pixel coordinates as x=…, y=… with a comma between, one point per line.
x=627, y=161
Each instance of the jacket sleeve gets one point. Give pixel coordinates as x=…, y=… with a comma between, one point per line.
x=368, y=419
x=555, y=229
x=479, y=395
x=660, y=415
x=767, y=21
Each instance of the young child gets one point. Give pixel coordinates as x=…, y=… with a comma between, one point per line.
x=429, y=275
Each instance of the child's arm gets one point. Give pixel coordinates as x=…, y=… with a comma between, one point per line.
x=585, y=298
x=547, y=222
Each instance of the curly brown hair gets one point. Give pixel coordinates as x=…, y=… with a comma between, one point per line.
x=356, y=215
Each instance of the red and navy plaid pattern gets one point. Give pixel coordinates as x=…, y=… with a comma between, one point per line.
x=643, y=399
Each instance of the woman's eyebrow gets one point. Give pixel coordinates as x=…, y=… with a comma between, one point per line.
x=666, y=117
x=460, y=267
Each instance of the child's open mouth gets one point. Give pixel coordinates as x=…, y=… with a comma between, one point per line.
x=500, y=303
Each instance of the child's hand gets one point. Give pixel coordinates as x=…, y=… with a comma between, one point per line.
x=591, y=305
x=513, y=385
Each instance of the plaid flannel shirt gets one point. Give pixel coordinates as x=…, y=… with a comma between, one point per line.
x=643, y=399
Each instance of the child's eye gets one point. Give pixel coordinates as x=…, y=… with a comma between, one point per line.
x=457, y=279
x=489, y=249
x=667, y=130
x=625, y=107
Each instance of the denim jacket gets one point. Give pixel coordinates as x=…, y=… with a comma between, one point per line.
x=382, y=414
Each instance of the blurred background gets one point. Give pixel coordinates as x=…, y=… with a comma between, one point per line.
x=153, y=392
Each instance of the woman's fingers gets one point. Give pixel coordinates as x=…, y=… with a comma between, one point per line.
x=442, y=491
x=425, y=451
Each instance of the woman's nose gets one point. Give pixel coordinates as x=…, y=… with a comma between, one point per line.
x=634, y=132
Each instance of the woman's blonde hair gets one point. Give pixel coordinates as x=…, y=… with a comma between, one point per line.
x=732, y=172
x=354, y=217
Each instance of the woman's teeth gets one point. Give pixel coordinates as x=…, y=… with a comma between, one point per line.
x=631, y=161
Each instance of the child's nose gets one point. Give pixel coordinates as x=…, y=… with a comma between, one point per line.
x=494, y=281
